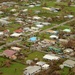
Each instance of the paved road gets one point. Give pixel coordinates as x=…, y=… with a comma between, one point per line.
x=58, y=25
x=9, y=44
x=40, y=32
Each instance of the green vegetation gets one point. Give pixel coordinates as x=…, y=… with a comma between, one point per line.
x=65, y=71
x=36, y=54
x=14, y=69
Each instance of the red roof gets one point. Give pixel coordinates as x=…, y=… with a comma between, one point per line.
x=19, y=31
x=9, y=53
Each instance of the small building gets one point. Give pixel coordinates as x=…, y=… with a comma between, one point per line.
x=69, y=63
x=32, y=70
x=28, y=62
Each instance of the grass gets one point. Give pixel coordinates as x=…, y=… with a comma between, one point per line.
x=11, y=70
x=13, y=26
x=36, y=54
x=62, y=27
x=18, y=66
x=65, y=71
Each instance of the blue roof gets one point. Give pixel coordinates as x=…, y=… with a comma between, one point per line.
x=33, y=39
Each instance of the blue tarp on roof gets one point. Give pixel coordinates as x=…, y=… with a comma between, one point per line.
x=33, y=39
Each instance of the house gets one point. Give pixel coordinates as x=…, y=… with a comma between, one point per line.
x=32, y=70
x=61, y=41
x=68, y=50
x=1, y=12
x=58, y=1
x=47, y=41
x=46, y=8
x=54, y=37
x=16, y=48
x=13, y=10
x=33, y=39
x=16, y=34
x=69, y=16
x=39, y=25
x=24, y=10
x=69, y=63
x=19, y=30
x=1, y=33
x=51, y=57
x=10, y=54
x=52, y=32
x=56, y=50
x=40, y=63
x=67, y=30
x=35, y=28
x=45, y=66
x=36, y=17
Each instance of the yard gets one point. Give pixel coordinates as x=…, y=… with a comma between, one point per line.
x=36, y=54
x=14, y=69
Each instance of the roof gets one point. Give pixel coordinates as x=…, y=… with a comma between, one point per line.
x=67, y=30
x=29, y=61
x=16, y=34
x=1, y=33
x=33, y=39
x=69, y=62
x=68, y=50
x=9, y=53
x=49, y=41
x=51, y=31
x=18, y=30
x=32, y=69
x=54, y=36
x=45, y=66
x=51, y=57
x=16, y=48
x=40, y=63
x=36, y=17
